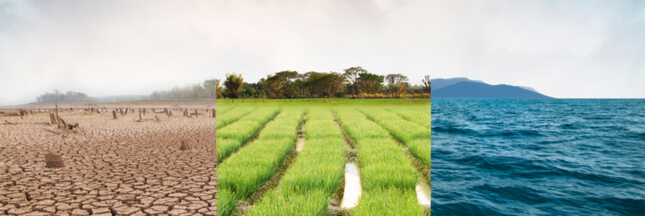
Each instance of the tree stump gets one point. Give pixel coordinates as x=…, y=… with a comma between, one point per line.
x=53, y=161
x=184, y=146
x=64, y=123
x=52, y=118
x=114, y=114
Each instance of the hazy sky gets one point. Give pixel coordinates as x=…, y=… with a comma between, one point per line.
x=101, y=48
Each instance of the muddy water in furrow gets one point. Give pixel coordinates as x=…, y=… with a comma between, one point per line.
x=423, y=193
x=352, y=186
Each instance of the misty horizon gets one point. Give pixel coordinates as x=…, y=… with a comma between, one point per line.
x=560, y=48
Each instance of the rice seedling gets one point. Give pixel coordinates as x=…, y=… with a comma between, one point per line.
x=416, y=137
x=419, y=117
x=390, y=201
x=245, y=171
x=225, y=202
x=242, y=131
x=314, y=175
x=387, y=174
x=232, y=116
x=225, y=147
x=279, y=202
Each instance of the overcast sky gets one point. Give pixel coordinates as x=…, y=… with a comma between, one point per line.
x=102, y=48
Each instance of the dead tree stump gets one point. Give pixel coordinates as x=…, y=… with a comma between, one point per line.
x=52, y=118
x=64, y=123
x=184, y=146
x=139, y=114
x=114, y=114
x=53, y=161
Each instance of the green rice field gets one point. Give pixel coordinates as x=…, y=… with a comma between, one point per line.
x=292, y=157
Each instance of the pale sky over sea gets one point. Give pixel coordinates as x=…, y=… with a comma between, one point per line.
x=560, y=48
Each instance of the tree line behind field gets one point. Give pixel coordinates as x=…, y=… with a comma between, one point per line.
x=68, y=97
x=355, y=82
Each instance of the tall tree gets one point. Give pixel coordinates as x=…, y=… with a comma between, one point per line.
x=209, y=88
x=426, y=84
x=233, y=83
x=218, y=89
x=282, y=83
x=369, y=83
x=397, y=84
x=352, y=75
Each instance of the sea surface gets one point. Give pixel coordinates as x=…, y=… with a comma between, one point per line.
x=538, y=157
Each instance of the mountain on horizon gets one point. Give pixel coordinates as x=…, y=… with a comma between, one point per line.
x=465, y=88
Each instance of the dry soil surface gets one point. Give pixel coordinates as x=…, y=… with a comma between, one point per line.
x=112, y=167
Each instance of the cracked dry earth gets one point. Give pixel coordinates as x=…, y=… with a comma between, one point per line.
x=112, y=167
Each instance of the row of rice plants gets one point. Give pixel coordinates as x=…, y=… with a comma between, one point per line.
x=416, y=137
x=233, y=136
x=314, y=175
x=232, y=116
x=420, y=117
x=246, y=171
x=400, y=128
x=388, y=175
x=223, y=109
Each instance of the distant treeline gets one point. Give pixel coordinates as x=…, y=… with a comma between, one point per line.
x=355, y=82
x=204, y=90
x=69, y=97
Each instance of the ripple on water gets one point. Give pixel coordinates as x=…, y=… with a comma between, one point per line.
x=566, y=157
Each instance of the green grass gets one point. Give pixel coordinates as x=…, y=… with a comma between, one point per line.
x=387, y=174
x=278, y=203
x=420, y=117
x=389, y=202
x=222, y=110
x=225, y=202
x=247, y=170
x=232, y=116
x=415, y=136
x=225, y=147
x=313, y=176
x=242, y=131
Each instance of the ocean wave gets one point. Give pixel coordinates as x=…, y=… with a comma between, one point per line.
x=552, y=157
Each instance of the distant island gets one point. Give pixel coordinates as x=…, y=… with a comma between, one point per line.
x=466, y=88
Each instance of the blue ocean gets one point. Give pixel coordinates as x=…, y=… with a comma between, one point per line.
x=538, y=157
